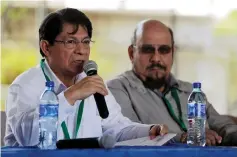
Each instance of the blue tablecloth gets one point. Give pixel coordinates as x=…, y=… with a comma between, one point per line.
x=154, y=151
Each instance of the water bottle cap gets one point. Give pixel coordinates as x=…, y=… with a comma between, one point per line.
x=196, y=85
x=49, y=84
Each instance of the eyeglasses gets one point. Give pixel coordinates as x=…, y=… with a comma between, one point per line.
x=71, y=43
x=151, y=49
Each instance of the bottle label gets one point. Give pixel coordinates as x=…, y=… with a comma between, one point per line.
x=191, y=110
x=48, y=110
x=201, y=110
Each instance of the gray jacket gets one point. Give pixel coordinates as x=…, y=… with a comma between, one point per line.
x=144, y=105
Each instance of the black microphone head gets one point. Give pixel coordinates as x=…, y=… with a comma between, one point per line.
x=90, y=66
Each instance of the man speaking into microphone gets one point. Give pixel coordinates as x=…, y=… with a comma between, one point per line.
x=64, y=40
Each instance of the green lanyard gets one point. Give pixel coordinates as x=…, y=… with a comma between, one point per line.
x=42, y=67
x=79, y=114
x=179, y=119
x=79, y=117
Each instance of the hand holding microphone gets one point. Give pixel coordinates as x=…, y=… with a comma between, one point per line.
x=93, y=84
x=90, y=68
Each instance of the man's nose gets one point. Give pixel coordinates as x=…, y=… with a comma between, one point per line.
x=79, y=49
x=156, y=57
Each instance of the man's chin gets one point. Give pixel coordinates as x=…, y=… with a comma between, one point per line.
x=76, y=70
x=156, y=74
x=156, y=77
x=155, y=82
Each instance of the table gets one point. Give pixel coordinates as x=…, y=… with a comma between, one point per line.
x=125, y=151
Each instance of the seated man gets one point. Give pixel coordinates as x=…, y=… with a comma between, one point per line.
x=140, y=91
x=232, y=117
x=64, y=38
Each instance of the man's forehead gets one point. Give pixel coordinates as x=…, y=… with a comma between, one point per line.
x=154, y=37
x=150, y=28
x=70, y=30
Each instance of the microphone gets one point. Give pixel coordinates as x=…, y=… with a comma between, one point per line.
x=108, y=140
x=90, y=68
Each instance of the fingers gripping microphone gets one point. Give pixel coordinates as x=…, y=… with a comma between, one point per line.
x=90, y=68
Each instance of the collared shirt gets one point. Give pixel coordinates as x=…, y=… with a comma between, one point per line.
x=141, y=104
x=22, y=126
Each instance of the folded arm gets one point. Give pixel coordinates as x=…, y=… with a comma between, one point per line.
x=223, y=125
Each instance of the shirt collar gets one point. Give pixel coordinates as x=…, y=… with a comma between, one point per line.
x=58, y=84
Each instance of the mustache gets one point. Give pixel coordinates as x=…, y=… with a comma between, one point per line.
x=156, y=65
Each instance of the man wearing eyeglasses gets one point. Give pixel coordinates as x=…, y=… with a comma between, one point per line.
x=64, y=39
x=147, y=92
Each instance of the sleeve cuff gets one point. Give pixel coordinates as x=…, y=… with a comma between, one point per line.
x=63, y=103
x=65, y=108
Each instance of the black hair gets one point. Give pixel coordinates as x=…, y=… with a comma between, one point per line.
x=52, y=25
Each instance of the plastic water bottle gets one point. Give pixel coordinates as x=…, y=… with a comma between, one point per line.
x=48, y=117
x=196, y=116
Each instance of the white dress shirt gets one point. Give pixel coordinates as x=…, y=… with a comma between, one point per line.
x=23, y=118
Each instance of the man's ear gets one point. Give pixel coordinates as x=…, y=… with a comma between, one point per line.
x=44, y=45
x=174, y=48
x=173, y=53
x=130, y=52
